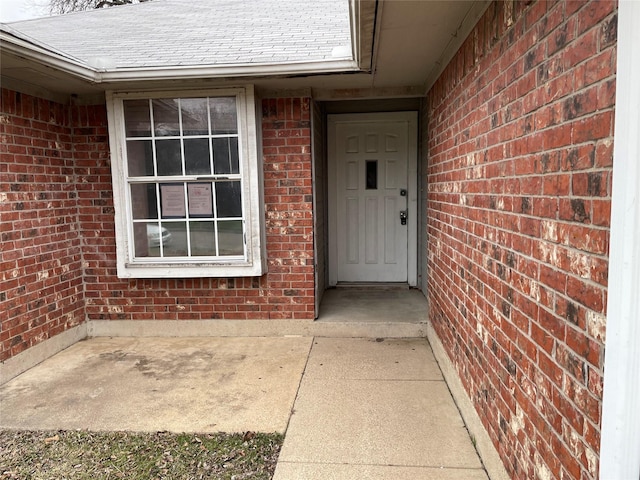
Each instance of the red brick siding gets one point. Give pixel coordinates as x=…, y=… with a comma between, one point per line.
x=520, y=139
x=288, y=196
x=41, y=291
x=286, y=291
x=57, y=255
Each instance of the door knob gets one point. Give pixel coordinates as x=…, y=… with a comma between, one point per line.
x=403, y=217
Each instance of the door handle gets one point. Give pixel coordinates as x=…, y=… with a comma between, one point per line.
x=403, y=217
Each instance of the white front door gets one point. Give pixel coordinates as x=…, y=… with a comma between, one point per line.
x=371, y=199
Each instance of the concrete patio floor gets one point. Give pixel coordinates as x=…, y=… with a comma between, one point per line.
x=153, y=384
x=349, y=407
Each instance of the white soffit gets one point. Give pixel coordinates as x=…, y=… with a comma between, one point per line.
x=416, y=39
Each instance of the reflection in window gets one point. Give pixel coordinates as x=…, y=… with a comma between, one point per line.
x=223, y=115
x=137, y=114
x=166, y=117
x=194, y=116
x=144, y=201
x=228, y=199
x=225, y=155
x=196, y=156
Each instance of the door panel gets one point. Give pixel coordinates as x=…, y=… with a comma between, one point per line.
x=352, y=230
x=370, y=168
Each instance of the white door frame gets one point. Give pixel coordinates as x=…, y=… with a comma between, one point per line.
x=412, y=186
x=620, y=440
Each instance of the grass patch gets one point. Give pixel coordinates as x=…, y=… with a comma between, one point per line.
x=161, y=455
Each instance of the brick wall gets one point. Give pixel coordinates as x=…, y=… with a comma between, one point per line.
x=288, y=195
x=57, y=256
x=41, y=291
x=286, y=291
x=520, y=130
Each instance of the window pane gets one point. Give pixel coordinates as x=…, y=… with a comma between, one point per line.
x=136, y=118
x=165, y=117
x=203, y=238
x=147, y=239
x=230, y=237
x=372, y=175
x=200, y=200
x=140, y=158
x=229, y=200
x=196, y=156
x=233, y=154
x=144, y=203
x=225, y=155
x=169, y=157
x=194, y=116
x=223, y=115
x=172, y=200
x=176, y=244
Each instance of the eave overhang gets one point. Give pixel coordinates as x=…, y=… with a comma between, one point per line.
x=14, y=43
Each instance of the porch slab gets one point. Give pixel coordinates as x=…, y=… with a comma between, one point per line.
x=151, y=384
x=374, y=305
x=371, y=408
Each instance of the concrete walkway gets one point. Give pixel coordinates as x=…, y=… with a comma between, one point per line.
x=375, y=409
x=350, y=407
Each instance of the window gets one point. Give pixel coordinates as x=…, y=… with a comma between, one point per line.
x=187, y=187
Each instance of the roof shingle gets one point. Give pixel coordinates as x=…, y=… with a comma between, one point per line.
x=169, y=33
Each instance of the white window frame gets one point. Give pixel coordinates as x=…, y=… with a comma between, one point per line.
x=254, y=261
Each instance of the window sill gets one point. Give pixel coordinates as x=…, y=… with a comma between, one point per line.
x=185, y=270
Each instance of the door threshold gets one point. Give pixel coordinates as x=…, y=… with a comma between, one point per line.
x=374, y=285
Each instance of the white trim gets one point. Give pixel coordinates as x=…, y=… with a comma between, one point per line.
x=18, y=44
x=620, y=440
x=225, y=71
x=354, y=12
x=412, y=187
x=318, y=243
x=332, y=225
x=254, y=262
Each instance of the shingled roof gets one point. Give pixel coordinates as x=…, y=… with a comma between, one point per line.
x=184, y=33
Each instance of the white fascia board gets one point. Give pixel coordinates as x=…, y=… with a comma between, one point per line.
x=226, y=71
x=365, y=31
x=27, y=49
x=354, y=13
